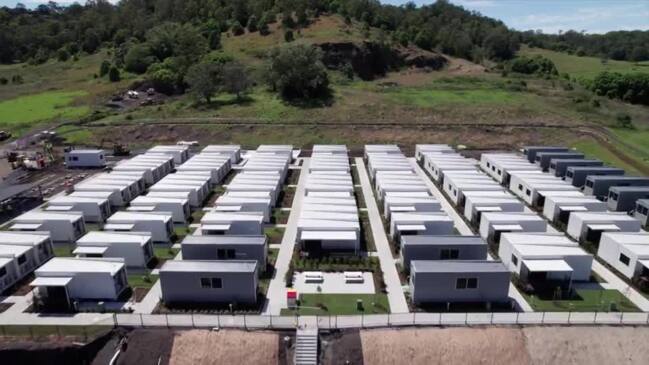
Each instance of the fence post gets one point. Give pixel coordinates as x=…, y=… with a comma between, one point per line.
x=245, y=324
x=389, y=320
x=141, y=321
x=218, y=320
x=192, y=317
x=414, y=318
x=167, y=319
x=362, y=320
x=466, y=318
x=517, y=315
x=491, y=320
x=271, y=320
x=543, y=318
x=114, y=320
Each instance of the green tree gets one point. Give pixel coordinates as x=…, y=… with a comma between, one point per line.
x=104, y=68
x=297, y=71
x=288, y=36
x=235, y=79
x=113, y=74
x=138, y=59
x=253, y=24
x=204, y=79
x=62, y=55
x=215, y=40
x=91, y=41
x=237, y=29
x=163, y=80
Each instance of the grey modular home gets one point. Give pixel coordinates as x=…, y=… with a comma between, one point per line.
x=226, y=248
x=441, y=248
x=576, y=175
x=623, y=198
x=600, y=185
x=559, y=167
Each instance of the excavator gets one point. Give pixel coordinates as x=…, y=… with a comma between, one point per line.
x=118, y=148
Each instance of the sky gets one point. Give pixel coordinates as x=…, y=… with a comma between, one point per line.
x=551, y=16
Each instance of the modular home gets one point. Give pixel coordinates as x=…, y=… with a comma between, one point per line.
x=641, y=212
x=16, y=262
x=530, y=152
x=475, y=205
x=456, y=184
x=441, y=248
x=209, y=282
x=500, y=165
x=230, y=203
x=249, y=248
x=317, y=235
x=84, y=158
x=532, y=187
x=418, y=204
x=216, y=166
x=427, y=224
x=159, y=224
x=228, y=223
x=179, y=208
x=40, y=241
x=422, y=149
x=492, y=225
x=588, y=227
x=559, y=167
x=543, y=159
x=557, y=209
x=385, y=149
x=180, y=153
x=623, y=198
x=132, y=182
x=196, y=196
x=545, y=258
x=63, y=227
x=628, y=253
x=600, y=185
x=119, y=197
x=233, y=151
x=93, y=209
x=136, y=248
x=458, y=281
x=62, y=281
x=438, y=164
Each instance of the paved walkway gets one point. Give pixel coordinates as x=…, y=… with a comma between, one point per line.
x=614, y=282
x=396, y=298
x=276, y=296
x=464, y=229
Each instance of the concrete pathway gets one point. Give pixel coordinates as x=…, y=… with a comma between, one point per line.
x=150, y=301
x=276, y=296
x=396, y=298
x=613, y=282
x=464, y=229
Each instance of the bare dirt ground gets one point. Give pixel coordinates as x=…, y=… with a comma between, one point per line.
x=224, y=347
x=147, y=347
x=341, y=348
x=519, y=346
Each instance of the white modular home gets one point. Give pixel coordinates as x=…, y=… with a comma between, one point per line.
x=379, y=149
x=158, y=224
x=228, y=223
x=476, y=204
x=62, y=281
x=500, y=165
x=557, y=209
x=62, y=227
x=588, y=227
x=628, y=253
x=40, y=241
x=132, y=182
x=178, y=207
x=183, y=178
x=405, y=224
x=493, y=224
x=233, y=204
x=84, y=158
x=641, y=212
x=195, y=191
x=440, y=164
x=136, y=248
x=16, y=262
x=179, y=152
x=541, y=257
x=532, y=187
x=94, y=209
x=455, y=185
x=232, y=151
x=399, y=204
x=119, y=197
x=422, y=149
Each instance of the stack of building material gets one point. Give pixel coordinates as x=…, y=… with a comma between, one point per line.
x=329, y=216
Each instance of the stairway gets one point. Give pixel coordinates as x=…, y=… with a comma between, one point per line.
x=306, y=346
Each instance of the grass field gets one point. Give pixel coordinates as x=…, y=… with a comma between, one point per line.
x=142, y=280
x=340, y=304
x=588, y=301
x=165, y=253
x=594, y=149
x=585, y=67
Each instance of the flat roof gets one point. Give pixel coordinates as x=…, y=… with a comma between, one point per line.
x=434, y=240
x=79, y=265
x=603, y=227
x=209, y=266
x=51, y=281
x=225, y=240
x=94, y=250
x=9, y=237
x=111, y=237
x=457, y=266
x=328, y=235
x=547, y=266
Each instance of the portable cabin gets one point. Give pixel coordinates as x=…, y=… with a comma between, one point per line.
x=439, y=164
x=213, y=282
x=641, y=211
x=62, y=227
x=84, y=158
x=137, y=176
x=16, y=262
x=399, y=204
x=576, y=175
x=132, y=182
x=599, y=185
x=500, y=165
x=228, y=223
x=195, y=193
x=530, y=152
x=226, y=248
x=545, y=259
x=493, y=224
x=40, y=241
x=63, y=281
x=427, y=224
x=233, y=151
x=543, y=159
x=559, y=167
x=533, y=187
x=441, y=248
x=151, y=172
x=628, y=253
x=588, y=227
x=456, y=184
x=217, y=169
x=623, y=198
x=201, y=182
x=179, y=152
x=386, y=149
x=557, y=209
x=229, y=203
x=119, y=197
x=318, y=234
x=475, y=205
x=422, y=149
x=136, y=248
x=458, y=281
x=179, y=208
x=159, y=224
x=93, y=209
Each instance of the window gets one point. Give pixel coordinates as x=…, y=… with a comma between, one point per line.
x=488, y=165
x=493, y=168
x=220, y=254
x=211, y=283
x=520, y=187
x=206, y=283
x=569, y=173
x=528, y=192
x=514, y=260
x=75, y=158
x=589, y=183
x=460, y=283
x=466, y=283
x=231, y=254
x=624, y=259
x=499, y=172
x=101, y=157
x=21, y=259
x=449, y=254
x=613, y=195
x=216, y=283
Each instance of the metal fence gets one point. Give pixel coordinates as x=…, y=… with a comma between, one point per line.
x=379, y=320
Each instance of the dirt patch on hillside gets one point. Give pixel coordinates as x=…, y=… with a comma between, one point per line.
x=341, y=348
x=587, y=345
x=224, y=347
x=445, y=346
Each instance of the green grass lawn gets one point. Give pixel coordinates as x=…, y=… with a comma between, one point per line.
x=272, y=255
x=142, y=280
x=589, y=301
x=74, y=135
x=165, y=252
x=340, y=304
x=63, y=250
x=274, y=234
x=585, y=67
x=594, y=149
x=639, y=139
x=19, y=113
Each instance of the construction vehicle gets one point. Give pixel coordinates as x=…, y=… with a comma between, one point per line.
x=118, y=148
x=4, y=135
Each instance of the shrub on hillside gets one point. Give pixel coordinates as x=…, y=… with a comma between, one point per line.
x=113, y=74
x=632, y=87
x=537, y=65
x=297, y=72
x=138, y=59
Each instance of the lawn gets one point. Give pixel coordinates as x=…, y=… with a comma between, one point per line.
x=588, y=300
x=274, y=234
x=340, y=304
x=165, y=252
x=19, y=113
x=585, y=67
x=63, y=250
x=639, y=139
x=428, y=97
x=75, y=135
x=142, y=280
x=594, y=149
